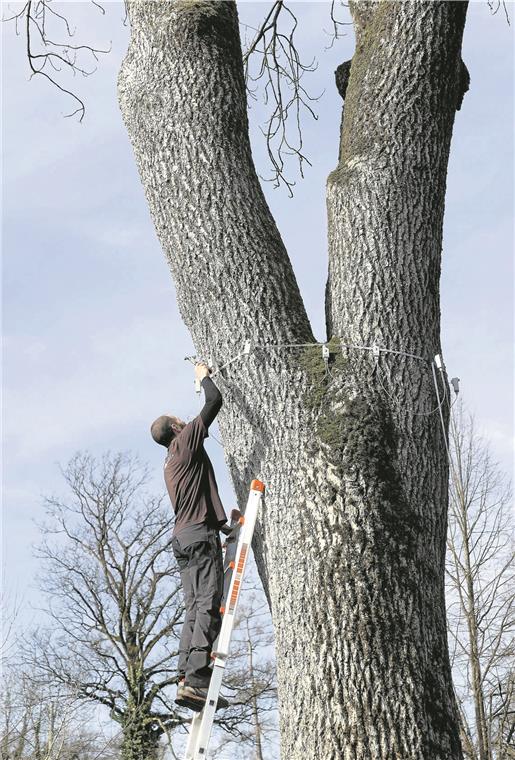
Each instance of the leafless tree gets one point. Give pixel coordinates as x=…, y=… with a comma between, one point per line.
x=9, y=611
x=115, y=609
x=114, y=599
x=39, y=721
x=480, y=587
x=351, y=544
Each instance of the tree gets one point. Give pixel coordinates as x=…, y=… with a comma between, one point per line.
x=114, y=599
x=41, y=722
x=115, y=608
x=480, y=590
x=357, y=597
x=9, y=610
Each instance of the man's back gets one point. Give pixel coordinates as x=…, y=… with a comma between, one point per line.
x=189, y=474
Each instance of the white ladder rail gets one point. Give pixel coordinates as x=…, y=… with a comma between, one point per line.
x=202, y=722
x=229, y=549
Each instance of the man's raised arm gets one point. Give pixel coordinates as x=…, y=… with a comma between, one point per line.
x=213, y=396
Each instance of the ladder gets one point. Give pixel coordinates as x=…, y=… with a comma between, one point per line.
x=235, y=560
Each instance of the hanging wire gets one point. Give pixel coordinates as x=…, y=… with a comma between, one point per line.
x=404, y=407
x=440, y=405
x=381, y=349
x=442, y=422
x=376, y=350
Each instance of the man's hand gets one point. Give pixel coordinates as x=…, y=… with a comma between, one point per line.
x=201, y=371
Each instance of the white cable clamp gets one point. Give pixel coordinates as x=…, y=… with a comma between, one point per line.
x=246, y=348
x=325, y=352
x=438, y=362
x=376, y=351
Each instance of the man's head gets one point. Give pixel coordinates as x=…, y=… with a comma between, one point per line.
x=165, y=428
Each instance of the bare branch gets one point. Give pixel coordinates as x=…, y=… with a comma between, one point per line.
x=281, y=69
x=337, y=33
x=35, y=16
x=495, y=5
x=480, y=581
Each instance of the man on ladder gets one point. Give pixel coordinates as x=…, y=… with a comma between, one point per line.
x=199, y=515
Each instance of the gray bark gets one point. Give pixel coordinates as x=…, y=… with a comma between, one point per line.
x=385, y=205
x=351, y=541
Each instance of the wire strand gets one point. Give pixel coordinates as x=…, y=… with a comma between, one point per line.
x=377, y=350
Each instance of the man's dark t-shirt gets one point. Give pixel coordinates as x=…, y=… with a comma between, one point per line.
x=189, y=474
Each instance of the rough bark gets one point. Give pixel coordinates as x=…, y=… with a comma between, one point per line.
x=385, y=205
x=351, y=542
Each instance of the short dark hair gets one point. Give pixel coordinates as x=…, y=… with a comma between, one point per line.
x=162, y=430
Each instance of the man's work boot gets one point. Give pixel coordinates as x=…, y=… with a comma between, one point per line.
x=195, y=697
x=179, y=699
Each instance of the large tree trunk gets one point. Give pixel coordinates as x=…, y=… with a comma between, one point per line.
x=351, y=541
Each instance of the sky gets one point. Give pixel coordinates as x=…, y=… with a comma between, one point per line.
x=93, y=345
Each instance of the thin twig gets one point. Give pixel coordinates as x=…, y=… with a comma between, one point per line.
x=281, y=69
x=34, y=14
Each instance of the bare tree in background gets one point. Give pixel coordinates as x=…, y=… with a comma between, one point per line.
x=115, y=608
x=39, y=721
x=480, y=587
x=114, y=599
x=9, y=610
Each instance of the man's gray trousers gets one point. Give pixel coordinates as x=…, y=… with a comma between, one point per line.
x=198, y=552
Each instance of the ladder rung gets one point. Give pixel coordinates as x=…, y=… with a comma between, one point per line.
x=218, y=655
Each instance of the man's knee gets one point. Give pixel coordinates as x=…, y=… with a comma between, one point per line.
x=209, y=608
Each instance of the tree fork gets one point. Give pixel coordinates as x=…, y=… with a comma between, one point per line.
x=351, y=541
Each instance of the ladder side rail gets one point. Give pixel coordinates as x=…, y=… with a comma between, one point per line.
x=222, y=650
x=231, y=546
x=242, y=554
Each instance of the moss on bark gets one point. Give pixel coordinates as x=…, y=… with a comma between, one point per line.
x=140, y=736
x=324, y=397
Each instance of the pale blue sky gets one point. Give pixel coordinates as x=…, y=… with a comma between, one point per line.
x=93, y=343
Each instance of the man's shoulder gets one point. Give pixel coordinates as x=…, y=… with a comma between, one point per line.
x=196, y=424
x=170, y=455
x=192, y=434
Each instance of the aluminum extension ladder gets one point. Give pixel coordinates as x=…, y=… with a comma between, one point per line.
x=235, y=560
